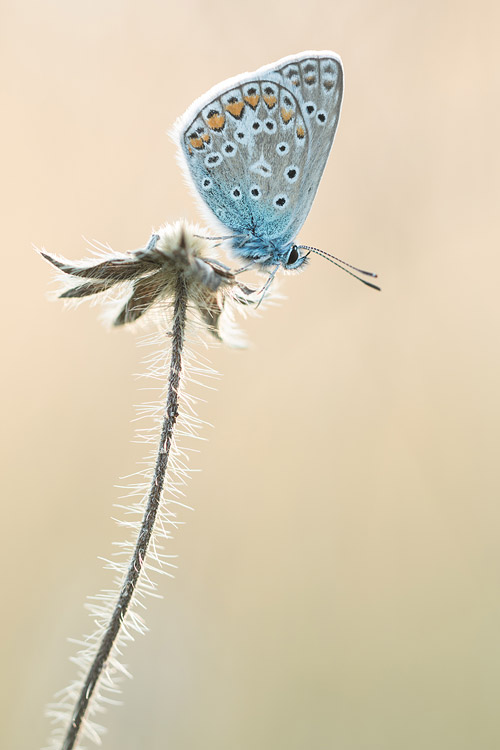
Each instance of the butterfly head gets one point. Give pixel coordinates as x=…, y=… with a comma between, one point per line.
x=294, y=259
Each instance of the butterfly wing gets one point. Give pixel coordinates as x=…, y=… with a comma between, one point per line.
x=256, y=146
x=318, y=82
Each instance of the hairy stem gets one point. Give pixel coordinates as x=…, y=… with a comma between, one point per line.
x=147, y=525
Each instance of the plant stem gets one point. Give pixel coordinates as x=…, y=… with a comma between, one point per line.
x=147, y=525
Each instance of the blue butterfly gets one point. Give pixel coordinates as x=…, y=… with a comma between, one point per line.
x=255, y=148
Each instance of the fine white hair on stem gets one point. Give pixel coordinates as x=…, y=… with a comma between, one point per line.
x=159, y=560
x=189, y=291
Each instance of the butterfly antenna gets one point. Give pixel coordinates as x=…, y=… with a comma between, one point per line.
x=342, y=265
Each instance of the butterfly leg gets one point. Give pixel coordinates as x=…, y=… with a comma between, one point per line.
x=267, y=284
x=225, y=237
x=252, y=263
x=244, y=268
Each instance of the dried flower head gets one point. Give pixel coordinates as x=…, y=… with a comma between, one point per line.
x=151, y=274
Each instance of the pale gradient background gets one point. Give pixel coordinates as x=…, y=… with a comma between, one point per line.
x=339, y=581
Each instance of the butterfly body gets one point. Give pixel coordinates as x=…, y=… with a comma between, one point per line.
x=268, y=253
x=255, y=148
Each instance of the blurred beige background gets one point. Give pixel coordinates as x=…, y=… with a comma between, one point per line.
x=338, y=584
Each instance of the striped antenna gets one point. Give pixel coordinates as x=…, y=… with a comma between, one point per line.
x=342, y=264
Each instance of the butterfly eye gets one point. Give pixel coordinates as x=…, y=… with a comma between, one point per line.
x=293, y=256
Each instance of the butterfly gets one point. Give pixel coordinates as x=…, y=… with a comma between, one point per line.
x=255, y=147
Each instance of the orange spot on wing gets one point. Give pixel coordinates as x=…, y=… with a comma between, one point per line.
x=196, y=143
x=286, y=114
x=252, y=100
x=300, y=132
x=205, y=137
x=216, y=122
x=235, y=108
x=270, y=101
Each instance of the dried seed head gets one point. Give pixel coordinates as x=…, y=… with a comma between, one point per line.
x=152, y=274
